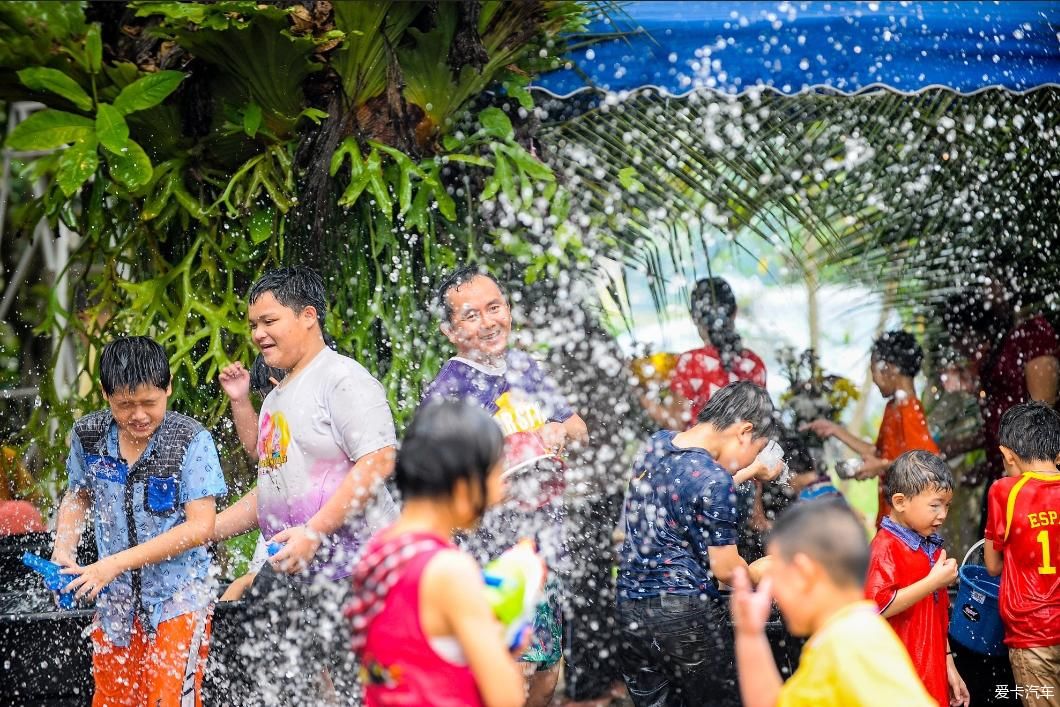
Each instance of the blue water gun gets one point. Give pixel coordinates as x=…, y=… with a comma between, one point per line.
x=54, y=579
x=273, y=548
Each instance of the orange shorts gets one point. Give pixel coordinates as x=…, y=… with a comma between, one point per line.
x=163, y=669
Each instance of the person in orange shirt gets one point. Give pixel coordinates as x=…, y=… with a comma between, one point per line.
x=896, y=359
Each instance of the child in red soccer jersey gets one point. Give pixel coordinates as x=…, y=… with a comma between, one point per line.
x=909, y=571
x=1023, y=545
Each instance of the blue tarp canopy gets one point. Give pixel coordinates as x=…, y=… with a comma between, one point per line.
x=848, y=47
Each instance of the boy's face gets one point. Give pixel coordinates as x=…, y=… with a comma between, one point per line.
x=791, y=586
x=740, y=447
x=279, y=332
x=924, y=512
x=481, y=321
x=883, y=375
x=140, y=411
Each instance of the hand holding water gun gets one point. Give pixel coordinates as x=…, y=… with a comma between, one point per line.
x=515, y=584
x=53, y=577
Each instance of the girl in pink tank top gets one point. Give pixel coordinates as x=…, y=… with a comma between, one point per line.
x=423, y=629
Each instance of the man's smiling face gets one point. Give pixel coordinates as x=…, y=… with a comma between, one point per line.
x=481, y=321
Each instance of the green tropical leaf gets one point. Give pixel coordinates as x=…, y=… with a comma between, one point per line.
x=94, y=49
x=76, y=165
x=348, y=148
x=469, y=159
x=361, y=61
x=252, y=119
x=529, y=164
x=42, y=78
x=148, y=91
x=354, y=190
x=111, y=128
x=131, y=166
x=261, y=225
x=49, y=129
x=496, y=123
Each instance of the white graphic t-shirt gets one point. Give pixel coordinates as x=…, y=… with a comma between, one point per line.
x=312, y=428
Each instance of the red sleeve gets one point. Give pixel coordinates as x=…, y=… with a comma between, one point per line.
x=881, y=583
x=687, y=368
x=995, y=513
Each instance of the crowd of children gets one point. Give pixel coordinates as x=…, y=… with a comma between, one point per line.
x=345, y=565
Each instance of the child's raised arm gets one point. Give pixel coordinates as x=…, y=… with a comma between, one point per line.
x=454, y=590
x=756, y=668
x=826, y=428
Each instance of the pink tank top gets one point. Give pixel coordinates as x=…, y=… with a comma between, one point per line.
x=398, y=664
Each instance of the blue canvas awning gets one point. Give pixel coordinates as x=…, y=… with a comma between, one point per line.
x=793, y=47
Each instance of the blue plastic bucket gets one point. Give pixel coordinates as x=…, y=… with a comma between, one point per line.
x=975, y=621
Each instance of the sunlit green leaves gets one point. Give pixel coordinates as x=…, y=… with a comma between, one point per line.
x=94, y=49
x=111, y=128
x=148, y=91
x=76, y=165
x=495, y=123
x=42, y=78
x=49, y=129
x=252, y=119
x=130, y=166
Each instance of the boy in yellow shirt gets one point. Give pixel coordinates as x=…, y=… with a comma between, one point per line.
x=819, y=559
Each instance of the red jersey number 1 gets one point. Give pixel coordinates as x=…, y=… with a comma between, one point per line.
x=1046, y=568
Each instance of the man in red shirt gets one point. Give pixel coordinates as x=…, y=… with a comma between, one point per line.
x=1023, y=546
x=909, y=572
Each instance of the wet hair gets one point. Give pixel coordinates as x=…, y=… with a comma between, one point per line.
x=713, y=308
x=900, y=349
x=829, y=532
x=741, y=402
x=132, y=361
x=260, y=373
x=446, y=442
x=295, y=287
x=1031, y=431
x=455, y=280
x=796, y=455
x=915, y=472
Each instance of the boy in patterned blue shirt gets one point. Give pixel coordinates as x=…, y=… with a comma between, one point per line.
x=149, y=477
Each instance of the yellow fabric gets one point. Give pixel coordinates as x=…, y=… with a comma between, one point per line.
x=855, y=659
x=1012, y=503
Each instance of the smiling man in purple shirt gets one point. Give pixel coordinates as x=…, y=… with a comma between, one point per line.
x=532, y=413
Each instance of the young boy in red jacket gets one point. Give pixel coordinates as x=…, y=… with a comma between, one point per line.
x=1023, y=546
x=909, y=571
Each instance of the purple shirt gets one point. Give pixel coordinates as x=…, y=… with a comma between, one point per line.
x=518, y=393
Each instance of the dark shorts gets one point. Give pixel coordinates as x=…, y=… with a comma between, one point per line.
x=677, y=650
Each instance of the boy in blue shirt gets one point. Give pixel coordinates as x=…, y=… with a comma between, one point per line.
x=149, y=477
x=681, y=532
